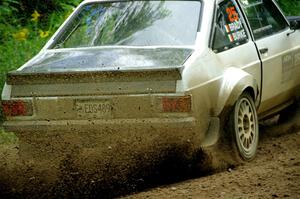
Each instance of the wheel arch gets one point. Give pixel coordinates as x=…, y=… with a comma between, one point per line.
x=235, y=82
x=251, y=92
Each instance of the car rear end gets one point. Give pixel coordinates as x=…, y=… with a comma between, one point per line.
x=85, y=101
x=113, y=67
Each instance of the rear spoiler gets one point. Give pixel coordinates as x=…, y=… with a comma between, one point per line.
x=21, y=78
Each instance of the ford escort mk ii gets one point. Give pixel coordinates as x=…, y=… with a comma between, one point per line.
x=153, y=67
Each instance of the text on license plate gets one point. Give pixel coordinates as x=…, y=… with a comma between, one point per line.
x=93, y=109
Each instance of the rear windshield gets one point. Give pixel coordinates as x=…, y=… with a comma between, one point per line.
x=132, y=23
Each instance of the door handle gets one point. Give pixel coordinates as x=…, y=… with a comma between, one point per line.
x=263, y=50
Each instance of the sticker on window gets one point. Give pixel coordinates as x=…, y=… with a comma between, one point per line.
x=235, y=31
x=232, y=14
x=237, y=25
x=234, y=28
x=229, y=29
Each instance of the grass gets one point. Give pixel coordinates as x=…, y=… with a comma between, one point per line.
x=7, y=137
x=15, y=53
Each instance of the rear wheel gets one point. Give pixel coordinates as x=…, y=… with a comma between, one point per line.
x=244, y=127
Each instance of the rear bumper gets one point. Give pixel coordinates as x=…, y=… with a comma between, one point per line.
x=64, y=135
x=187, y=125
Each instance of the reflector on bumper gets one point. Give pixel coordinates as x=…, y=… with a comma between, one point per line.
x=176, y=104
x=14, y=108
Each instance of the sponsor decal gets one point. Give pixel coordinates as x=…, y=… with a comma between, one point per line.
x=297, y=59
x=231, y=39
x=290, y=66
x=235, y=31
x=237, y=25
x=227, y=28
x=239, y=35
x=287, y=63
x=232, y=14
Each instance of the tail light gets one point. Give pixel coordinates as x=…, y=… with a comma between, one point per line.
x=13, y=108
x=176, y=104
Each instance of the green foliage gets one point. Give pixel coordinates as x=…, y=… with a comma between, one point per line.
x=19, y=14
x=7, y=138
x=7, y=9
x=290, y=7
x=22, y=34
x=14, y=53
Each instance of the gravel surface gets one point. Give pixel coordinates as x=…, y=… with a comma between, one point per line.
x=275, y=173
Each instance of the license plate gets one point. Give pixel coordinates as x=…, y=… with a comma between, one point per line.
x=93, y=109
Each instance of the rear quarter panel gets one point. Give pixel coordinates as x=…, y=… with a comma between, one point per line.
x=216, y=80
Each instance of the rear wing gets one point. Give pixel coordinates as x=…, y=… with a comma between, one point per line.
x=21, y=78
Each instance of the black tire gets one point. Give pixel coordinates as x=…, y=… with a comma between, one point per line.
x=244, y=128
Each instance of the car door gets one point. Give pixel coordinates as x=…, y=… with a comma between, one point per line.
x=232, y=46
x=277, y=49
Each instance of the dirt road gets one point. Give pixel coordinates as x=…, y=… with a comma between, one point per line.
x=275, y=173
x=105, y=172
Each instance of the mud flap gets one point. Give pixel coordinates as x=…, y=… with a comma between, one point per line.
x=213, y=133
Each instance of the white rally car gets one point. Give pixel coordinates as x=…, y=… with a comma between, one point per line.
x=154, y=67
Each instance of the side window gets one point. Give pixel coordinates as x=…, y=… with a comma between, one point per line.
x=229, y=29
x=264, y=17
